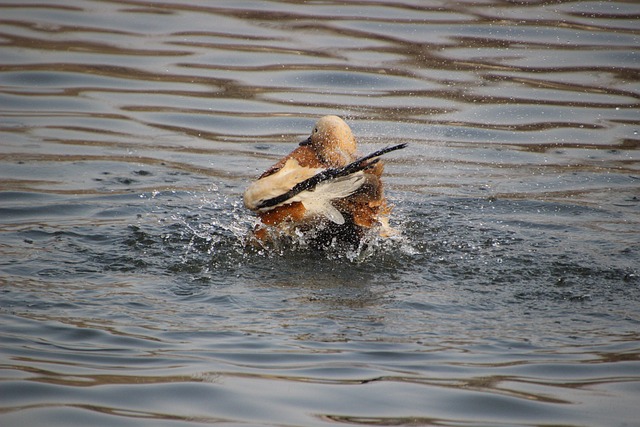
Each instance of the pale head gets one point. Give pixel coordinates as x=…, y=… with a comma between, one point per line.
x=332, y=140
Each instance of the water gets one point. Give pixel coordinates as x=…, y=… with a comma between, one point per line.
x=129, y=130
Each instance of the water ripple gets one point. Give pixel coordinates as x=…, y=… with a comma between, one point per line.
x=128, y=293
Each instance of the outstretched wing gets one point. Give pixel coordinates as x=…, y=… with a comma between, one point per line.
x=313, y=182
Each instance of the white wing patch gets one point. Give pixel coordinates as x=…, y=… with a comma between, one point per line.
x=317, y=202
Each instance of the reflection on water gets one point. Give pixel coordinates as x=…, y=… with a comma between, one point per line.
x=129, y=131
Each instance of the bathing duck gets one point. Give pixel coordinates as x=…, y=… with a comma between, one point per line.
x=322, y=190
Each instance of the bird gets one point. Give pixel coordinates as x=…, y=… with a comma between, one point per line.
x=322, y=190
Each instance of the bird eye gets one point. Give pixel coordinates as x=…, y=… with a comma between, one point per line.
x=315, y=130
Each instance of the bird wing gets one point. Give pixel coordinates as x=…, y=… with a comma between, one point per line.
x=315, y=188
x=278, y=183
x=329, y=174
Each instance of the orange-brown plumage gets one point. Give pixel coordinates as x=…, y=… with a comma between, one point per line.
x=345, y=206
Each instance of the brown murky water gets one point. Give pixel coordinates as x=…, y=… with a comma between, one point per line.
x=129, y=130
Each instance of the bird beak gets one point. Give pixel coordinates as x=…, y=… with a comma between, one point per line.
x=306, y=142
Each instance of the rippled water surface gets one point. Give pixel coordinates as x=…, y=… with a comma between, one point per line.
x=130, y=129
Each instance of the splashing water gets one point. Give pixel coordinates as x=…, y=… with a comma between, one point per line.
x=219, y=233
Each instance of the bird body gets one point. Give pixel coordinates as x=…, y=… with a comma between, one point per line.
x=321, y=185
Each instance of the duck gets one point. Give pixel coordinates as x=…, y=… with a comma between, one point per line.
x=322, y=190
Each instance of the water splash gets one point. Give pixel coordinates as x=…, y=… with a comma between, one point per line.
x=212, y=231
